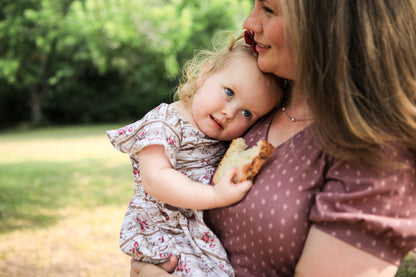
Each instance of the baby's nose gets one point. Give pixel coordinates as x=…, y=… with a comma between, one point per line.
x=230, y=111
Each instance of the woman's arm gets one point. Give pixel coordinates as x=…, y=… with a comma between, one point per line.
x=138, y=269
x=174, y=188
x=325, y=255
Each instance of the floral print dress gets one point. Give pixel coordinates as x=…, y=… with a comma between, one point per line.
x=152, y=231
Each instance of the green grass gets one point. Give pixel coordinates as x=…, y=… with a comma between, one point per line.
x=47, y=171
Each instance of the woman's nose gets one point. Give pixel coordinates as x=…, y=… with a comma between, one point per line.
x=251, y=22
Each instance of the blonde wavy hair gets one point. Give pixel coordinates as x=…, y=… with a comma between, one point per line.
x=216, y=58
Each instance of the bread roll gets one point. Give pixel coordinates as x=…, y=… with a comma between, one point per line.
x=248, y=161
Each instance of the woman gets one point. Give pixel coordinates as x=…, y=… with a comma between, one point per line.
x=337, y=198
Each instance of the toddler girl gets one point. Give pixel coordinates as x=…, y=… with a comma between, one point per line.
x=174, y=150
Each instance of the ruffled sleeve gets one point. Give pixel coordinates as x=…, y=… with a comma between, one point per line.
x=376, y=213
x=158, y=127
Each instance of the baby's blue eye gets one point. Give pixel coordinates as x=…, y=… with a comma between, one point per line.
x=229, y=92
x=246, y=114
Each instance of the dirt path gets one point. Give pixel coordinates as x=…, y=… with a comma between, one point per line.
x=83, y=244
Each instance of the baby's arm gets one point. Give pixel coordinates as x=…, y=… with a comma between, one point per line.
x=176, y=189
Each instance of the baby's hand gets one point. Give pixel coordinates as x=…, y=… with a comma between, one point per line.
x=227, y=192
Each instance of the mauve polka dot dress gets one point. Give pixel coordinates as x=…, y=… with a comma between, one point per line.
x=300, y=186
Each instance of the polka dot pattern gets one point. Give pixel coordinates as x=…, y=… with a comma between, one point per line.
x=376, y=214
x=298, y=186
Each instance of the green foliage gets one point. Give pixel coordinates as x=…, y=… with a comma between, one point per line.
x=96, y=61
x=408, y=266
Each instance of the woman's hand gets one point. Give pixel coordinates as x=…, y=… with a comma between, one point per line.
x=138, y=269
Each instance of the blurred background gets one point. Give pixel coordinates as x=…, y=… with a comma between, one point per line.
x=94, y=61
x=69, y=70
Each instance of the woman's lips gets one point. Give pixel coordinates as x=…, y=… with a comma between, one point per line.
x=261, y=47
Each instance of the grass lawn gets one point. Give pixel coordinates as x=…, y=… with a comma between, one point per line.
x=63, y=193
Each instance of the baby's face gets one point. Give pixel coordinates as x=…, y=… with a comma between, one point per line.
x=232, y=99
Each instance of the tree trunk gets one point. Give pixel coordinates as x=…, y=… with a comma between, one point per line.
x=38, y=92
x=35, y=106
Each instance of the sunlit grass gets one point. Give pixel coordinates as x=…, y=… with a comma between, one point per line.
x=56, y=145
x=63, y=194
x=46, y=170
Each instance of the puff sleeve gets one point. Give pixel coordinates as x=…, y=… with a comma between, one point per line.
x=156, y=128
x=376, y=213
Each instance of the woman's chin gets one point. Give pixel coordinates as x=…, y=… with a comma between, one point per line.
x=264, y=66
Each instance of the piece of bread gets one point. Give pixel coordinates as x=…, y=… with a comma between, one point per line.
x=248, y=161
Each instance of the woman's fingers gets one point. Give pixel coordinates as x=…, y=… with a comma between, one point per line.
x=134, y=268
x=170, y=265
x=139, y=267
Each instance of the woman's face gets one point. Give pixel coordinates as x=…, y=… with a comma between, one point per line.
x=273, y=44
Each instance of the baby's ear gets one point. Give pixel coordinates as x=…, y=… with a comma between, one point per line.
x=203, y=75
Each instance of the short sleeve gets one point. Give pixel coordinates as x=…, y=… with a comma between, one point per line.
x=376, y=213
x=156, y=128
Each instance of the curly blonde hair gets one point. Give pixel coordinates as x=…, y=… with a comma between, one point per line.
x=216, y=58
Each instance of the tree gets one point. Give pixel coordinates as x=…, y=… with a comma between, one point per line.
x=29, y=31
x=60, y=53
